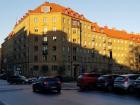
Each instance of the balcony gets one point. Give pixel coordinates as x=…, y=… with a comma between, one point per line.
x=45, y=52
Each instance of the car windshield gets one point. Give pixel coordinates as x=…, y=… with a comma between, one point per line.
x=120, y=78
x=138, y=78
x=103, y=77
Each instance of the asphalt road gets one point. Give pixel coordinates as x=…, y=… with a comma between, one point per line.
x=23, y=95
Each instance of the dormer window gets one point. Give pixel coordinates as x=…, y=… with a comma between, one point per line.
x=46, y=9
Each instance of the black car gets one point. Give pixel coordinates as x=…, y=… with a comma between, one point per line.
x=47, y=84
x=137, y=84
x=3, y=76
x=106, y=82
x=17, y=80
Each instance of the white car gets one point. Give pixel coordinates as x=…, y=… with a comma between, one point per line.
x=126, y=82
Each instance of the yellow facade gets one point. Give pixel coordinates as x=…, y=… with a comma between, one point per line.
x=79, y=45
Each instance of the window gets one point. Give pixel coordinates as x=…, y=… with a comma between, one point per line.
x=45, y=58
x=69, y=58
x=69, y=21
x=35, y=67
x=44, y=20
x=45, y=38
x=45, y=50
x=54, y=57
x=46, y=9
x=93, y=54
x=54, y=38
x=68, y=49
x=74, y=58
x=44, y=68
x=45, y=29
x=35, y=19
x=15, y=42
x=118, y=41
x=74, y=31
x=74, y=49
x=74, y=40
x=24, y=54
x=64, y=20
x=54, y=28
x=54, y=19
x=109, y=43
x=89, y=27
x=35, y=58
x=54, y=48
x=35, y=48
x=63, y=48
x=36, y=29
x=54, y=67
x=35, y=38
x=110, y=54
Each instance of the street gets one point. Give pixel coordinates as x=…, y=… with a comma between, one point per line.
x=23, y=95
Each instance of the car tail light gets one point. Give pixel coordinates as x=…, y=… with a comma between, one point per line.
x=126, y=82
x=45, y=83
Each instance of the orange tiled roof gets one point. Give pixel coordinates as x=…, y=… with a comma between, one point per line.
x=120, y=34
x=55, y=8
x=95, y=27
x=58, y=8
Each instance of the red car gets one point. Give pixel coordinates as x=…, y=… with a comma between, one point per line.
x=87, y=80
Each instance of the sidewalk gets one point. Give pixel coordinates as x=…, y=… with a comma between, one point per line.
x=3, y=82
x=4, y=86
x=65, y=86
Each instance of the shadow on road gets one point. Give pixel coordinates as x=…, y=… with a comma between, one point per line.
x=50, y=93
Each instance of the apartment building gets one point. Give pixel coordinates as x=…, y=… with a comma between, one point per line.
x=54, y=39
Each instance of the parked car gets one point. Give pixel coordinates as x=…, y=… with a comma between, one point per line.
x=17, y=79
x=31, y=80
x=60, y=78
x=87, y=80
x=3, y=76
x=47, y=84
x=106, y=81
x=137, y=84
x=126, y=82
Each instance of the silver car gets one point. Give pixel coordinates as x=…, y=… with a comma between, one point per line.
x=126, y=82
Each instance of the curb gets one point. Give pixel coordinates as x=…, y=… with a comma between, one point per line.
x=69, y=88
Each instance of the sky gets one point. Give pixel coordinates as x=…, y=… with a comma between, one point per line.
x=119, y=14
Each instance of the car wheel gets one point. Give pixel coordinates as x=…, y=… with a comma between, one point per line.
x=109, y=88
x=82, y=88
x=58, y=90
x=23, y=83
x=131, y=89
x=34, y=89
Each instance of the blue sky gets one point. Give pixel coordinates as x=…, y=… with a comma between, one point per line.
x=122, y=14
